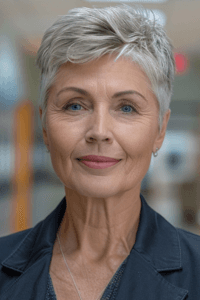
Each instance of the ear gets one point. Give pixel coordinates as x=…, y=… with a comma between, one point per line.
x=44, y=131
x=161, y=135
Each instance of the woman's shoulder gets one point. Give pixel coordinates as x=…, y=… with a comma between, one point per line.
x=10, y=242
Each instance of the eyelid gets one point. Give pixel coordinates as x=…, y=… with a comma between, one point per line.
x=124, y=102
x=129, y=102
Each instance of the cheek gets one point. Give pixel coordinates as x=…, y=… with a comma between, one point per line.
x=62, y=145
x=137, y=140
x=62, y=136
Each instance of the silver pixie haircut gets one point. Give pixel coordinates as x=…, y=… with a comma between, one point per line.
x=85, y=34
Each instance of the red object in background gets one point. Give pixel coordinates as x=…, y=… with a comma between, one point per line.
x=181, y=63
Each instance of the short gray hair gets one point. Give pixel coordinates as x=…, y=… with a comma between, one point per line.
x=85, y=34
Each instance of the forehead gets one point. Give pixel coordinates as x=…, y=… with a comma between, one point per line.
x=104, y=66
x=103, y=75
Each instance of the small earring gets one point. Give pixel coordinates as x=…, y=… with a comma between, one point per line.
x=155, y=154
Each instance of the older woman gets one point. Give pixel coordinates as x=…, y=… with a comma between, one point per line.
x=105, y=93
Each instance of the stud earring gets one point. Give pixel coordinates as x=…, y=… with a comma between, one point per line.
x=155, y=154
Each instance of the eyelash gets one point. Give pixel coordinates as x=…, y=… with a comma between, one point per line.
x=74, y=103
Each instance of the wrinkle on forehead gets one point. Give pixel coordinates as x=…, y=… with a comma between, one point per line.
x=99, y=76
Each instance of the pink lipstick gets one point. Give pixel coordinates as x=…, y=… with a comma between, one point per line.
x=98, y=162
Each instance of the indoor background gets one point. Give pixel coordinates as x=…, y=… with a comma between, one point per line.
x=29, y=187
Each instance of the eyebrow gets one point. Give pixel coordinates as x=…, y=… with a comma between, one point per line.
x=85, y=93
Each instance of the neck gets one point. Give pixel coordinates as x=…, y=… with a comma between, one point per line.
x=99, y=229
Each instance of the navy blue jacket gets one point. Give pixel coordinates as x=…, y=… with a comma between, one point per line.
x=164, y=263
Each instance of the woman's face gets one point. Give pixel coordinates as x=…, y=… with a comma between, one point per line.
x=112, y=113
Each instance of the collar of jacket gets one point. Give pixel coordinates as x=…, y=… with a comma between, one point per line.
x=157, y=240
x=157, y=248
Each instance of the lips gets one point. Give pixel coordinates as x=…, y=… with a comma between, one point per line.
x=98, y=158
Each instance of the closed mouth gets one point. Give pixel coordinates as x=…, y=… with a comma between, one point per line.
x=94, y=160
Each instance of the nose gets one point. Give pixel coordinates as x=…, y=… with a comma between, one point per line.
x=100, y=128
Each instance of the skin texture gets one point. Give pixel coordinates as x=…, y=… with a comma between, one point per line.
x=99, y=227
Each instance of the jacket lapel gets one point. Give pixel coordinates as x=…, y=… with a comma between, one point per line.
x=141, y=281
x=31, y=284
x=156, y=249
x=26, y=269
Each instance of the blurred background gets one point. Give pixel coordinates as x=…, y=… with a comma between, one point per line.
x=29, y=187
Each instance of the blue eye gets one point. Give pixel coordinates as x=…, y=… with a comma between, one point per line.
x=127, y=111
x=74, y=104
